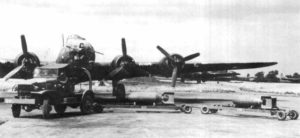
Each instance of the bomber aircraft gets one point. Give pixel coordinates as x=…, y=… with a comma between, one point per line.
x=80, y=53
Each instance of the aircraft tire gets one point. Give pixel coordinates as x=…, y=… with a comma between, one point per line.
x=60, y=109
x=205, y=110
x=16, y=110
x=46, y=108
x=86, y=106
x=281, y=115
x=293, y=115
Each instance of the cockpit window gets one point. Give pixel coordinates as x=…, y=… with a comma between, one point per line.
x=42, y=73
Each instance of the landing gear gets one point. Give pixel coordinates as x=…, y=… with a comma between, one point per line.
x=16, y=110
x=119, y=91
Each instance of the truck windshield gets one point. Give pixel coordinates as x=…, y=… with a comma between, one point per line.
x=41, y=73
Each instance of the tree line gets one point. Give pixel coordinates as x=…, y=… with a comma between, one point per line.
x=271, y=76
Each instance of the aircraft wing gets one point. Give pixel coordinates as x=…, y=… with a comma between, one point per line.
x=157, y=69
x=198, y=67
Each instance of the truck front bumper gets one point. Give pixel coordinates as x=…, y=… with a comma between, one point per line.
x=19, y=101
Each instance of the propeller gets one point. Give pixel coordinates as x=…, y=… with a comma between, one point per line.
x=27, y=61
x=124, y=65
x=177, y=62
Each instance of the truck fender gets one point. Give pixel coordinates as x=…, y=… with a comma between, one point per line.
x=87, y=92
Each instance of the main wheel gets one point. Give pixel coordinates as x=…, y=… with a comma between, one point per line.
x=204, y=110
x=293, y=115
x=16, y=110
x=120, y=95
x=60, y=109
x=86, y=106
x=46, y=108
x=281, y=115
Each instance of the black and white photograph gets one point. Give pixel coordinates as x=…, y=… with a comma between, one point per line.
x=149, y=68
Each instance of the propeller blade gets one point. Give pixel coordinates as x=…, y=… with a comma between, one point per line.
x=174, y=76
x=192, y=56
x=24, y=44
x=165, y=53
x=13, y=72
x=99, y=53
x=124, y=50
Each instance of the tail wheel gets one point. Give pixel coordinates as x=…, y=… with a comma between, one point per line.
x=16, y=110
x=293, y=115
x=60, y=109
x=86, y=106
x=46, y=108
x=205, y=110
x=281, y=115
x=120, y=92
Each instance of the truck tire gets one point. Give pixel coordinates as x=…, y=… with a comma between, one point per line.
x=16, y=110
x=281, y=115
x=46, y=108
x=205, y=110
x=60, y=109
x=86, y=105
x=293, y=115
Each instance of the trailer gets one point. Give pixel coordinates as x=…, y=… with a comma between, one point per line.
x=266, y=104
x=143, y=102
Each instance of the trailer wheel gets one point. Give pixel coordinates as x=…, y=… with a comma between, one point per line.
x=46, y=108
x=187, y=109
x=281, y=115
x=60, y=109
x=86, y=106
x=205, y=110
x=293, y=115
x=16, y=110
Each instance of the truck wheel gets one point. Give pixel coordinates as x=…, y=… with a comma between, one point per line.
x=46, y=108
x=16, y=110
x=205, y=110
x=98, y=108
x=86, y=106
x=187, y=109
x=293, y=115
x=120, y=95
x=281, y=115
x=60, y=109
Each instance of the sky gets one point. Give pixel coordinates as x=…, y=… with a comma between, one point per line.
x=223, y=31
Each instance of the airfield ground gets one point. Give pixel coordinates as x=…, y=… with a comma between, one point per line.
x=126, y=123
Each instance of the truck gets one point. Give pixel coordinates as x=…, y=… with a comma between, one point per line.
x=52, y=85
